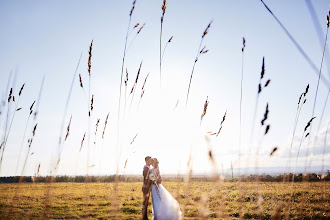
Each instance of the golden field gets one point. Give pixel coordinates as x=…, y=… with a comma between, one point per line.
x=198, y=200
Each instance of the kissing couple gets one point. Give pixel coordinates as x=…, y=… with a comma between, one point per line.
x=164, y=205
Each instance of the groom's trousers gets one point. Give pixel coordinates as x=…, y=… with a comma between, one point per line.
x=145, y=206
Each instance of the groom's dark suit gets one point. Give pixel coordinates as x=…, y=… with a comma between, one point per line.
x=146, y=191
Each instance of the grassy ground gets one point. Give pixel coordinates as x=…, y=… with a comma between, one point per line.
x=198, y=200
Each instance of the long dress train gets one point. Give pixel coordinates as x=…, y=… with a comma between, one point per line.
x=164, y=205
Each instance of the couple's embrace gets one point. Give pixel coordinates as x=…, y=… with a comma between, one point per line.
x=164, y=205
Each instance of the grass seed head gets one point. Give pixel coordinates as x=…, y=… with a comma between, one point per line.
x=141, y=28
x=82, y=142
x=205, y=108
x=267, y=82
x=68, y=129
x=243, y=47
x=164, y=6
x=105, y=124
x=309, y=123
x=265, y=115
x=34, y=129
x=267, y=129
x=126, y=80
x=20, y=91
x=259, y=88
x=273, y=151
x=306, y=90
x=207, y=29
x=10, y=94
x=262, y=68
x=133, y=7
x=80, y=80
x=90, y=58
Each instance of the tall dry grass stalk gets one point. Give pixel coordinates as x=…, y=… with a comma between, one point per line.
x=261, y=87
x=315, y=98
x=26, y=125
x=11, y=97
x=303, y=137
x=199, y=53
x=122, y=68
x=299, y=48
x=143, y=89
x=89, y=107
x=28, y=153
x=36, y=111
x=95, y=133
x=164, y=6
x=240, y=131
x=240, y=105
x=5, y=133
x=60, y=143
x=135, y=84
x=301, y=101
x=115, y=194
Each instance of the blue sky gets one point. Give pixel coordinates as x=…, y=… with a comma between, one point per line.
x=46, y=38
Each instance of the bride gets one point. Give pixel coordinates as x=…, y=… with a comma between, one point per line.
x=164, y=205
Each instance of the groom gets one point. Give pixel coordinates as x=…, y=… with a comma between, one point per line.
x=146, y=186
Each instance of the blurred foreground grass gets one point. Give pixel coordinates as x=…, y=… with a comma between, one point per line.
x=198, y=200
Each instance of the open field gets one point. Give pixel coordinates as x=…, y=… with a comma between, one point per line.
x=212, y=200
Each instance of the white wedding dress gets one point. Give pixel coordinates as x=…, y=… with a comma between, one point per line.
x=164, y=205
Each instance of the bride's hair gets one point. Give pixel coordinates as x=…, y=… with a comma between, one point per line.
x=155, y=163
